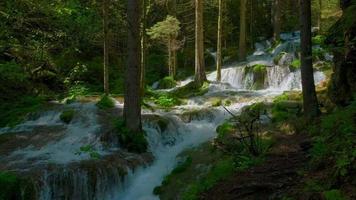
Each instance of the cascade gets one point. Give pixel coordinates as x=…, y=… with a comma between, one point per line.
x=70, y=161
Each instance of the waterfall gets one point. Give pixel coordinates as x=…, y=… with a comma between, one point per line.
x=63, y=169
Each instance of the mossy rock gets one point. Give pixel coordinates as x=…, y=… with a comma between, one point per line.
x=190, y=90
x=259, y=76
x=67, y=116
x=277, y=58
x=106, y=102
x=167, y=83
x=216, y=102
x=133, y=141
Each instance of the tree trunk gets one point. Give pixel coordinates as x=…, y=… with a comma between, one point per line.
x=276, y=20
x=200, y=76
x=143, y=45
x=106, y=47
x=218, y=51
x=242, y=43
x=310, y=101
x=132, y=104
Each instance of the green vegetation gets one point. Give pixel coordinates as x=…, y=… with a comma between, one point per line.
x=133, y=142
x=14, y=187
x=89, y=149
x=167, y=83
x=319, y=40
x=334, y=195
x=106, y=102
x=222, y=169
x=190, y=90
x=67, y=116
x=19, y=110
x=295, y=65
x=334, y=142
x=259, y=68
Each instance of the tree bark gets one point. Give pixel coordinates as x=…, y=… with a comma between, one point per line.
x=106, y=47
x=276, y=20
x=242, y=43
x=200, y=75
x=310, y=102
x=219, y=43
x=143, y=44
x=132, y=104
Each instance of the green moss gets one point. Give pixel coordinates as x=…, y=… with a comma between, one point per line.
x=221, y=170
x=190, y=90
x=259, y=75
x=106, y=102
x=89, y=149
x=259, y=68
x=67, y=116
x=227, y=103
x=133, y=142
x=167, y=83
x=216, y=102
x=295, y=65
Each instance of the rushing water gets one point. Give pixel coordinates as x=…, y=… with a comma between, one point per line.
x=165, y=145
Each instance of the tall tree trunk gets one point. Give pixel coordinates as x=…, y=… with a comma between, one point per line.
x=219, y=43
x=200, y=75
x=310, y=101
x=132, y=104
x=242, y=43
x=106, y=46
x=277, y=20
x=143, y=44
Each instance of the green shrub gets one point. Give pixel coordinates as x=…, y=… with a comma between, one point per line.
x=78, y=90
x=67, y=116
x=167, y=83
x=318, y=40
x=133, y=142
x=106, y=102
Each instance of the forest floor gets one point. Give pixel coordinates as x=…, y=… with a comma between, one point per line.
x=276, y=178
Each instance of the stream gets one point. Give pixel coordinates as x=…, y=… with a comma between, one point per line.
x=54, y=150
